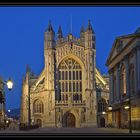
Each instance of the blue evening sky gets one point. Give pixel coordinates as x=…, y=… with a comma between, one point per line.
x=22, y=36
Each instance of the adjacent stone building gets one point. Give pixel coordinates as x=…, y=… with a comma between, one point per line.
x=124, y=70
x=64, y=94
x=102, y=94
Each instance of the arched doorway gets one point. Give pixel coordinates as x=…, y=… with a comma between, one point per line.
x=102, y=122
x=39, y=122
x=69, y=120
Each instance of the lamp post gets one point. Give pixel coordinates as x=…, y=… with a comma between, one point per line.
x=9, y=84
x=109, y=116
x=128, y=107
x=130, y=126
x=110, y=108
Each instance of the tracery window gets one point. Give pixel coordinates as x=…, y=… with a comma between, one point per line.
x=72, y=79
x=38, y=106
x=102, y=105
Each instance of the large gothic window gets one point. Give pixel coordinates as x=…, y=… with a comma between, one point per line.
x=102, y=105
x=123, y=80
x=38, y=107
x=70, y=80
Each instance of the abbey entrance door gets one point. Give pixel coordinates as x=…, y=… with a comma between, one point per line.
x=69, y=120
x=102, y=122
x=39, y=122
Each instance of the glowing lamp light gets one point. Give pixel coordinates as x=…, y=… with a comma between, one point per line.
x=9, y=84
x=9, y=110
x=126, y=107
x=110, y=107
x=103, y=112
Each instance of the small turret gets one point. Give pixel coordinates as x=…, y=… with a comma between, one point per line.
x=82, y=34
x=28, y=70
x=82, y=29
x=49, y=37
x=59, y=33
x=49, y=29
x=89, y=36
x=89, y=27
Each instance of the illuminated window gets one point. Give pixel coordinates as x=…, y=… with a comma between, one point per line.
x=66, y=87
x=73, y=77
x=62, y=75
x=102, y=105
x=38, y=107
x=73, y=87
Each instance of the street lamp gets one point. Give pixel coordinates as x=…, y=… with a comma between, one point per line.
x=130, y=126
x=109, y=107
x=128, y=107
x=103, y=112
x=9, y=84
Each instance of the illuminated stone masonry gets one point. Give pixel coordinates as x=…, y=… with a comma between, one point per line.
x=64, y=94
x=124, y=70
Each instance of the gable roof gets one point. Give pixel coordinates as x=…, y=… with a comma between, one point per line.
x=124, y=37
x=99, y=78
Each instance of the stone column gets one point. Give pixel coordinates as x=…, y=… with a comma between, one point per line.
x=111, y=86
x=135, y=70
x=127, y=75
x=113, y=118
x=118, y=82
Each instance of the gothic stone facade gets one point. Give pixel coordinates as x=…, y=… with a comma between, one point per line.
x=124, y=70
x=64, y=94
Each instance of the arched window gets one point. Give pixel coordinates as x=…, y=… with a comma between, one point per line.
x=102, y=105
x=73, y=78
x=38, y=107
x=123, y=80
x=132, y=80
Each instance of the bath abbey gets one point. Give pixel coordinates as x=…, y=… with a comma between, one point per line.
x=65, y=94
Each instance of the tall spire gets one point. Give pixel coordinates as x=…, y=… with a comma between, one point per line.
x=89, y=28
x=82, y=33
x=59, y=33
x=82, y=29
x=28, y=68
x=49, y=29
x=71, y=24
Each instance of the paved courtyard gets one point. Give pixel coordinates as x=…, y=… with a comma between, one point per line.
x=70, y=131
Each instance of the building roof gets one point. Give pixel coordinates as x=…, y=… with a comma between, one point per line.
x=132, y=36
x=138, y=30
